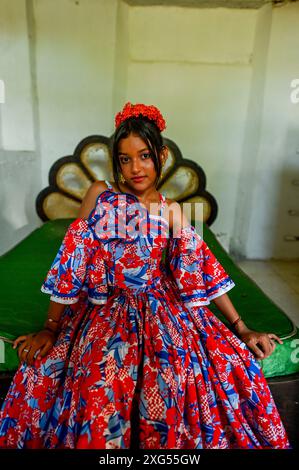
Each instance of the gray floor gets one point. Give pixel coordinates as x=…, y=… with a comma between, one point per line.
x=279, y=280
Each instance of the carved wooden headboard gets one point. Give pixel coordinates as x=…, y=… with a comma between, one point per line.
x=70, y=177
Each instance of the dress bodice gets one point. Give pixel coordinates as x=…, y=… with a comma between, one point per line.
x=132, y=239
x=121, y=246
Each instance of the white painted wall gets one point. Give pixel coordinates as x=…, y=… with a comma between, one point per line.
x=121, y=59
x=17, y=114
x=57, y=62
x=19, y=160
x=189, y=63
x=278, y=153
x=19, y=178
x=75, y=48
x=252, y=133
x=220, y=76
x=223, y=78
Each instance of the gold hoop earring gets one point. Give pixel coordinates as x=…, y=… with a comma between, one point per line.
x=162, y=165
x=122, y=179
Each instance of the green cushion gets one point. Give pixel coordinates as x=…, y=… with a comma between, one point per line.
x=23, y=307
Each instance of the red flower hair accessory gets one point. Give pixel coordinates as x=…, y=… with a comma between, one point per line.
x=135, y=110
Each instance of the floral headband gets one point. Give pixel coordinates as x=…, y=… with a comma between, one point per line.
x=135, y=110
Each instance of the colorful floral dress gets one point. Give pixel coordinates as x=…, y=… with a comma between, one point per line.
x=140, y=360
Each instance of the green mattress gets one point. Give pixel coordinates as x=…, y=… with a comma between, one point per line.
x=23, y=307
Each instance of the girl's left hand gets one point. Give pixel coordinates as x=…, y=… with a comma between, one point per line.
x=262, y=344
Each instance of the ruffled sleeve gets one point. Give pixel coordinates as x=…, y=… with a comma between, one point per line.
x=196, y=271
x=78, y=266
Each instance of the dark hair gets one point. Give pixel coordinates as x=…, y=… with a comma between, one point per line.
x=148, y=132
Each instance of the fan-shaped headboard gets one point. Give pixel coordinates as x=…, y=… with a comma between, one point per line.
x=70, y=177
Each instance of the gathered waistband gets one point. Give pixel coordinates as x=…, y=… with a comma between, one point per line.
x=131, y=289
x=158, y=288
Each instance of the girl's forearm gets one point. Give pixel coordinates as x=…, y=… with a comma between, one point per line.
x=55, y=311
x=224, y=304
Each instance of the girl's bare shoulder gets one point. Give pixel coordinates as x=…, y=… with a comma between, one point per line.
x=175, y=213
x=89, y=200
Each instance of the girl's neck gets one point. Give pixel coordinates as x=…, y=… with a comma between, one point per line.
x=149, y=195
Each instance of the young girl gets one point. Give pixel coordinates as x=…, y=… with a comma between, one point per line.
x=131, y=355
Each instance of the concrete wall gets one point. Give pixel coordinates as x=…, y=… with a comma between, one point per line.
x=189, y=62
x=57, y=62
x=75, y=69
x=277, y=169
x=20, y=175
x=17, y=130
x=220, y=76
x=121, y=60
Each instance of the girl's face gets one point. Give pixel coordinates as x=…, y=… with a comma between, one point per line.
x=136, y=163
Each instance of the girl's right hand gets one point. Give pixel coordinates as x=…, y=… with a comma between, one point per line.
x=34, y=344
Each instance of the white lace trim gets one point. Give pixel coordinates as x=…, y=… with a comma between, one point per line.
x=197, y=303
x=64, y=300
x=97, y=301
x=59, y=300
x=222, y=290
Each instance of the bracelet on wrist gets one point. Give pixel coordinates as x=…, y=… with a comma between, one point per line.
x=51, y=324
x=46, y=328
x=234, y=323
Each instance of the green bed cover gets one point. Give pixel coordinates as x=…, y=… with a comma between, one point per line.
x=23, y=307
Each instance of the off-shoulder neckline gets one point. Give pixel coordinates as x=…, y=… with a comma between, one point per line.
x=162, y=199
